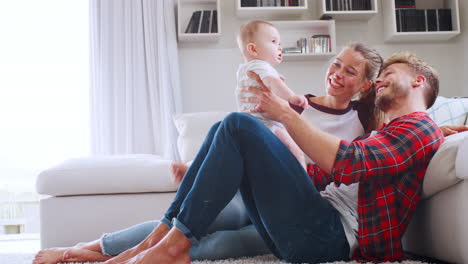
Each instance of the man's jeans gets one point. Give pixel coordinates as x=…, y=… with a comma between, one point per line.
x=296, y=223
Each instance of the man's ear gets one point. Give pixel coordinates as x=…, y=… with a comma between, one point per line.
x=251, y=49
x=419, y=80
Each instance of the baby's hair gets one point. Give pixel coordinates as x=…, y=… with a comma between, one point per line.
x=419, y=67
x=247, y=32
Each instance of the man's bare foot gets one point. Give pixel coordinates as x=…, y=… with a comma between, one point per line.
x=50, y=256
x=83, y=255
x=159, y=232
x=178, y=170
x=173, y=249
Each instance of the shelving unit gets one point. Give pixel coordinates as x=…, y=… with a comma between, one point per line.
x=350, y=14
x=291, y=31
x=185, y=9
x=271, y=12
x=390, y=25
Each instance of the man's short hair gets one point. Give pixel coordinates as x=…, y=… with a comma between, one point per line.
x=247, y=32
x=422, y=68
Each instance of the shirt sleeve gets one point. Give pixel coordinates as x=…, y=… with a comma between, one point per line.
x=393, y=150
x=262, y=68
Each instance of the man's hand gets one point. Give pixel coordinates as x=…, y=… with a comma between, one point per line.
x=268, y=104
x=450, y=130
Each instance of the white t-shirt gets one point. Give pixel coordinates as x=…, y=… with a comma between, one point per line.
x=346, y=124
x=263, y=69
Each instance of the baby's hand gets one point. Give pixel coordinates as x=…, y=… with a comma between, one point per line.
x=282, y=78
x=298, y=100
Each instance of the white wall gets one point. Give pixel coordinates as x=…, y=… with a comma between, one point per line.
x=208, y=69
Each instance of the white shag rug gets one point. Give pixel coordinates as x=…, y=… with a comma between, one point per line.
x=17, y=258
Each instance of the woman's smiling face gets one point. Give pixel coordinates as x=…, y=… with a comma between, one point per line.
x=346, y=75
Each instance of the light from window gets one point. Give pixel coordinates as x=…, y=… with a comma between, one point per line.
x=44, y=84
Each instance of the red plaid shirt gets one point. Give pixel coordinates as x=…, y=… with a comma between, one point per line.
x=390, y=168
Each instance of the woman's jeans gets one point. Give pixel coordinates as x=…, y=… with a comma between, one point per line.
x=240, y=153
x=230, y=236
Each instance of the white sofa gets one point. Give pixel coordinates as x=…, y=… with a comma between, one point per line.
x=91, y=196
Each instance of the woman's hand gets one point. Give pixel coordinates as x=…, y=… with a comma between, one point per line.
x=450, y=130
x=268, y=104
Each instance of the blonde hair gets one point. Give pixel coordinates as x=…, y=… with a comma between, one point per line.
x=372, y=70
x=419, y=67
x=247, y=32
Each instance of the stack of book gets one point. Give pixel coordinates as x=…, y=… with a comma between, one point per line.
x=348, y=5
x=411, y=19
x=313, y=44
x=203, y=21
x=263, y=3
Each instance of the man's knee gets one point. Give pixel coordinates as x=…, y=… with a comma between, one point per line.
x=237, y=119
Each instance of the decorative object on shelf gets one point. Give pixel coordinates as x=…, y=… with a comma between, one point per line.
x=203, y=21
x=271, y=3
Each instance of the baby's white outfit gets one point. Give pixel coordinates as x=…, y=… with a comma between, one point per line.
x=263, y=69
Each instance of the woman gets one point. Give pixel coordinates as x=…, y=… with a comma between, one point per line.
x=351, y=72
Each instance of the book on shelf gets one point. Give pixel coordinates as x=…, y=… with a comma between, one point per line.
x=347, y=5
x=431, y=20
x=203, y=21
x=417, y=20
x=214, y=24
x=271, y=3
x=194, y=22
x=405, y=3
x=444, y=18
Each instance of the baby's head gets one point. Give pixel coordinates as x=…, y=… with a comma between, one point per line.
x=260, y=40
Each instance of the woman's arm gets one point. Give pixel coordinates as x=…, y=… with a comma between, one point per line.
x=450, y=130
x=319, y=146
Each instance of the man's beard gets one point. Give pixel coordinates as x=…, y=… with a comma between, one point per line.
x=387, y=101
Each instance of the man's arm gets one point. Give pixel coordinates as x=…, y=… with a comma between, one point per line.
x=318, y=145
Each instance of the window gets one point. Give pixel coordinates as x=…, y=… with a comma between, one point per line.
x=44, y=86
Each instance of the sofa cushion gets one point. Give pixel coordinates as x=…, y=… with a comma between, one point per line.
x=449, y=111
x=461, y=163
x=192, y=128
x=138, y=173
x=441, y=172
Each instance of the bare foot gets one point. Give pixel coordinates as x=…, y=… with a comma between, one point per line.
x=83, y=255
x=50, y=256
x=173, y=249
x=178, y=170
x=159, y=232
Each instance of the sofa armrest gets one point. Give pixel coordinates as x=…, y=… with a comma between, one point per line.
x=461, y=163
x=138, y=173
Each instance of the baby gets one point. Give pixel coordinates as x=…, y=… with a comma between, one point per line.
x=260, y=45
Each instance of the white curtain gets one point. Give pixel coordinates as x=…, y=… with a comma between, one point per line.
x=134, y=77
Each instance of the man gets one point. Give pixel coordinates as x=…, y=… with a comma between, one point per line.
x=387, y=198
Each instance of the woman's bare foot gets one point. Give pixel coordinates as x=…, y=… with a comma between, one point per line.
x=159, y=233
x=178, y=170
x=50, y=256
x=56, y=255
x=173, y=249
x=83, y=255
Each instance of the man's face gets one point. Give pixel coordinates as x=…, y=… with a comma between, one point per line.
x=393, y=84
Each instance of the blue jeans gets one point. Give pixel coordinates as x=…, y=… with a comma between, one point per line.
x=230, y=236
x=240, y=153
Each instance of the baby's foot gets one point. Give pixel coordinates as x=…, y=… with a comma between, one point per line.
x=50, y=256
x=83, y=255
